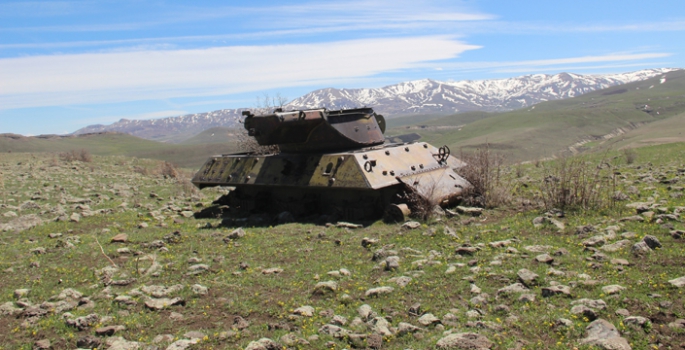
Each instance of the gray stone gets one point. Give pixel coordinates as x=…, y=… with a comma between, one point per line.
x=428, y=320
x=544, y=258
x=471, y=341
x=640, y=248
x=292, y=340
x=44, y=344
x=614, y=247
x=556, y=290
x=236, y=234
x=199, y=289
x=652, y=242
x=514, y=288
x=380, y=325
x=83, y=322
x=584, y=311
x=602, y=334
x=401, y=281
x=404, y=328
x=411, y=225
x=333, y=331
x=162, y=303
x=182, y=344
x=527, y=277
x=109, y=330
x=392, y=263
x=263, y=344
x=272, y=271
x=613, y=289
x=324, y=287
x=678, y=282
x=366, y=312
x=159, y=291
x=306, y=311
x=636, y=321
x=378, y=291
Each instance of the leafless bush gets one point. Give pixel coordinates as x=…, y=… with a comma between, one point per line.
x=167, y=170
x=576, y=183
x=630, y=155
x=141, y=170
x=484, y=170
x=81, y=155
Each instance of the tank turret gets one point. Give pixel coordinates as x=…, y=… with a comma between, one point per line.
x=317, y=130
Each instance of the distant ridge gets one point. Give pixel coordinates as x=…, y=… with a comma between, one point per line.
x=408, y=98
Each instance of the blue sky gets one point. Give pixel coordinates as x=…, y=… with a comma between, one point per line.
x=68, y=64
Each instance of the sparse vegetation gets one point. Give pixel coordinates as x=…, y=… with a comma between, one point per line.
x=81, y=155
x=576, y=183
x=265, y=273
x=485, y=171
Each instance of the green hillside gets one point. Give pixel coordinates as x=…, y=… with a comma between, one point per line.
x=551, y=127
x=187, y=156
x=214, y=135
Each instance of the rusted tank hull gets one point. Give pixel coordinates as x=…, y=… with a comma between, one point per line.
x=357, y=184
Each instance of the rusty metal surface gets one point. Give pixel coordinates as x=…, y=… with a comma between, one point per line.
x=317, y=130
x=332, y=162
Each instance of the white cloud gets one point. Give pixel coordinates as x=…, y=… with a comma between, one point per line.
x=126, y=76
x=557, y=63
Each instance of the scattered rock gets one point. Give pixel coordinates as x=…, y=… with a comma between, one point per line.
x=199, y=289
x=428, y=320
x=411, y=225
x=83, y=322
x=471, y=341
x=378, y=291
x=120, y=238
x=641, y=248
x=306, y=311
x=272, y=271
x=263, y=344
x=527, y=277
x=324, y=287
x=604, y=335
x=556, y=290
x=678, y=282
x=613, y=289
x=652, y=242
x=163, y=303
x=44, y=344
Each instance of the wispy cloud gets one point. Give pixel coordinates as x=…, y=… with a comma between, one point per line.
x=126, y=76
x=556, y=63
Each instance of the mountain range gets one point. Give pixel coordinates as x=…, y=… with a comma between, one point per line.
x=408, y=98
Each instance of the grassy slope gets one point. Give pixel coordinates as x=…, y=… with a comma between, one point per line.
x=550, y=127
x=190, y=156
x=213, y=135
x=306, y=253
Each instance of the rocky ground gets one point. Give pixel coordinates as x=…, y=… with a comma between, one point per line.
x=107, y=254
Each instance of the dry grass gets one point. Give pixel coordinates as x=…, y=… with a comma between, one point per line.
x=81, y=155
x=484, y=170
x=167, y=170
x=576, y=183
x=630, y=155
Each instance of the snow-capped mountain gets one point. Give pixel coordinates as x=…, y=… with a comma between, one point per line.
x=413, y=97
x=431, y=96
x=164, y=129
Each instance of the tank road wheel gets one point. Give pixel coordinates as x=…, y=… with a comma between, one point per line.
x=397, y=213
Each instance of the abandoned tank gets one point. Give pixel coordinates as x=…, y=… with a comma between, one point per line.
x=335, y=163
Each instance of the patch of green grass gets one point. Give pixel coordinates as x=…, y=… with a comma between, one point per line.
x=307, y=253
